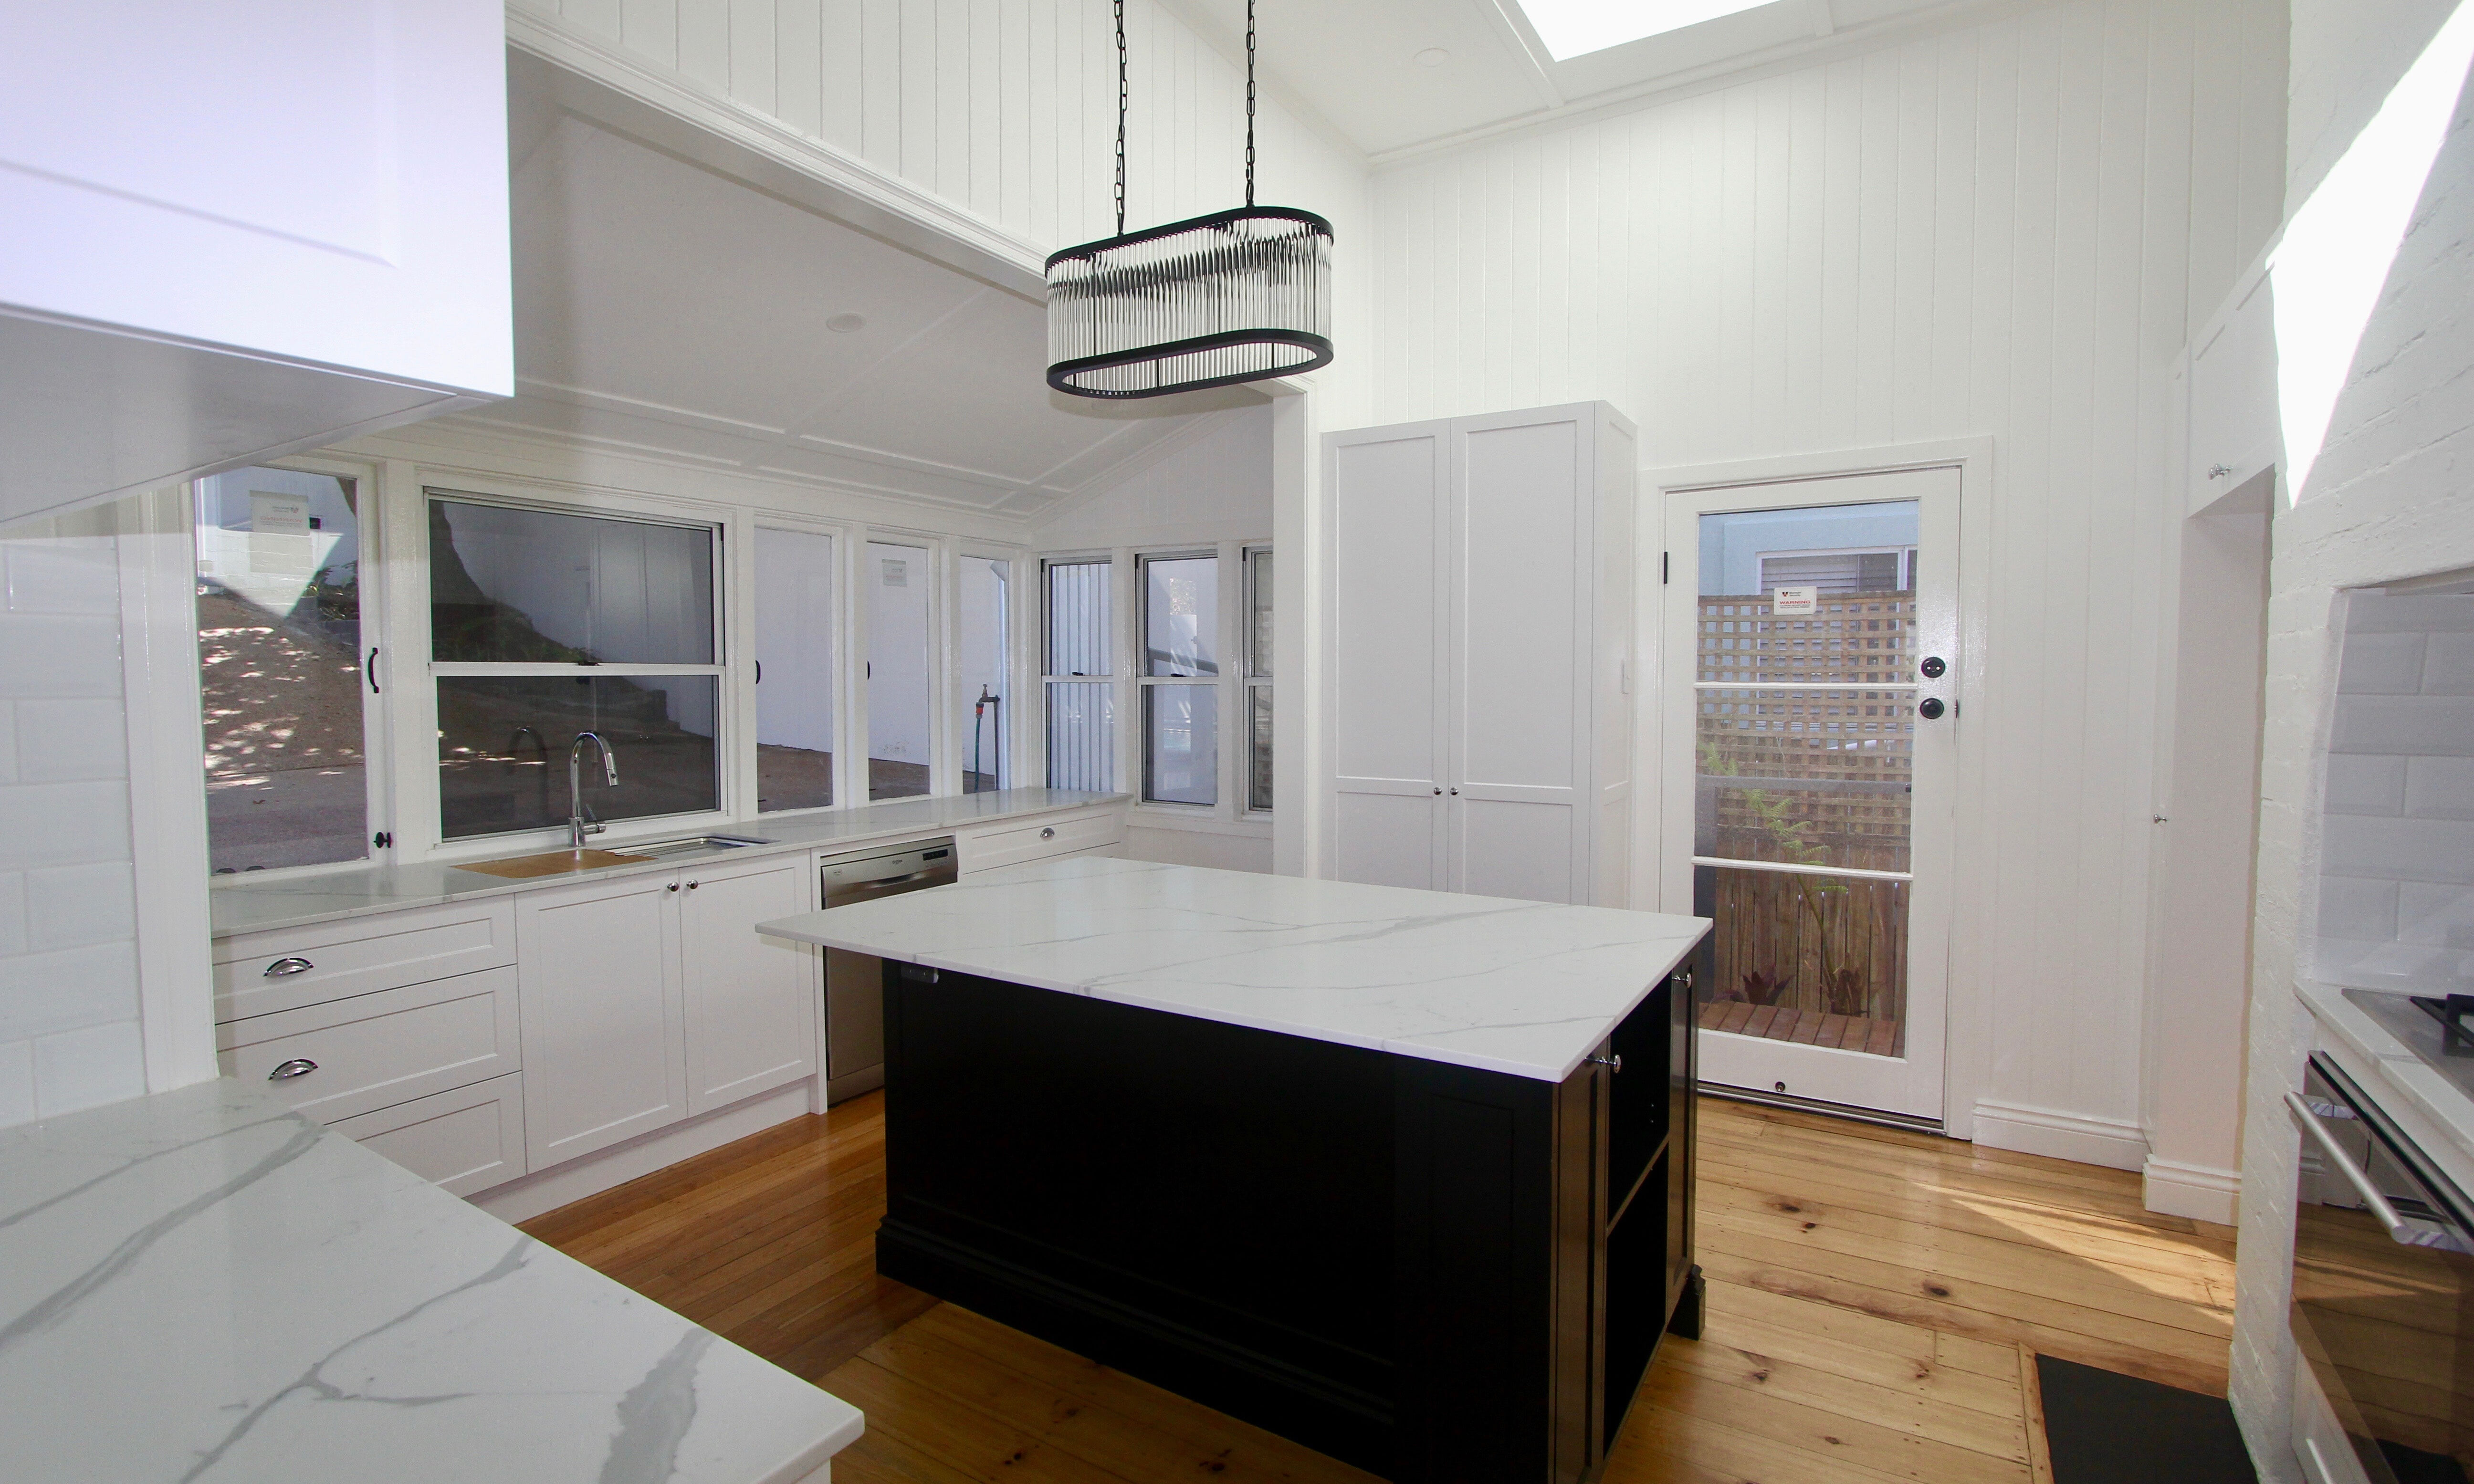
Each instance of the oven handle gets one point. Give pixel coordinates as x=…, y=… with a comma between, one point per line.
x=2334, y=1153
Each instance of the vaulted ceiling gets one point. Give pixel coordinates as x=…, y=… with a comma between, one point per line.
x=1402, y=75
x=666, y=310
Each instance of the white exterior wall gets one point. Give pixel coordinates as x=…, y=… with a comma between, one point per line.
x=2008, y=227
x=2387, y=500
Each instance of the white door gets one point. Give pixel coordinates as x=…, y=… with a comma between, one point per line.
x=1811, y=673
x=603, y=1016
x=1521, y=610
x=1389, y=624
x=751, y=999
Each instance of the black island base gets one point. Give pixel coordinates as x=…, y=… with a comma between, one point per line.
x=1441, y=1274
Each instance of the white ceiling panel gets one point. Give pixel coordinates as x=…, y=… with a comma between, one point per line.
x=665, y=310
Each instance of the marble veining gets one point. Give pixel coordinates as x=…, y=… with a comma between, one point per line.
x=251, y=904
x=202, y=1285
x=1525, y=988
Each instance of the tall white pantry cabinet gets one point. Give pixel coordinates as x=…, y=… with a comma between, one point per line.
x=1478, y=654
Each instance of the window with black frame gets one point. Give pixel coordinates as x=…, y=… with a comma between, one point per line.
x=547, y=624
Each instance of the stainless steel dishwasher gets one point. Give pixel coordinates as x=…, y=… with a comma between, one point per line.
x=855, y=982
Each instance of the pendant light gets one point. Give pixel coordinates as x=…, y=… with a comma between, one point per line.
x=1235, y=296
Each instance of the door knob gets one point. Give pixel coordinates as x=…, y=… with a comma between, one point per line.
x=1933, y=667
x=1930, y=708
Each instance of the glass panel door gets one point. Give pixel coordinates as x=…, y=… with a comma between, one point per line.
x=981, y=699
x=1799, y=813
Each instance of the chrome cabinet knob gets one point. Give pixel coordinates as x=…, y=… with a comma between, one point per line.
x=1049, y=833
x=1614, y=1064
x=285, y=1071
x=691, y=886
x=283, y=967
x=674, y=885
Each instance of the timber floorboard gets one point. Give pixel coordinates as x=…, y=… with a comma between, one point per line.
x=1876, y=1300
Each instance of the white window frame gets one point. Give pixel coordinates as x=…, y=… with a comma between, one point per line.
x=1252, y=678
x=421, y=802
x=1145, y=681
x=1117, y=561
x=740, y=563
x=377, y=731
x=937, y=547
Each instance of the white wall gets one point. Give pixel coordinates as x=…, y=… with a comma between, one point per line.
x=2385, y=500
x=2007, y=228
x=69, y=1035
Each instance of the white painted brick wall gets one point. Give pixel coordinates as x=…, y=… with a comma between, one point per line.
x=2388, y=499
x=68, y=965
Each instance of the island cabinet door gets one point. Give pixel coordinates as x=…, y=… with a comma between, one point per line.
x=751, y=1000
x=1498, y=1208
x=604, y=1014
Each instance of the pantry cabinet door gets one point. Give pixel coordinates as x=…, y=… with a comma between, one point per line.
x=604, y=1014
x=751, y=1000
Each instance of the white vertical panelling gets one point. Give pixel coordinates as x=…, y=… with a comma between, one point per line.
x=1990, y=230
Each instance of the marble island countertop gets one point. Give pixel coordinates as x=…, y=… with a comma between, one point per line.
x=1524, y=987
x=201, y=1285
x=249, y=904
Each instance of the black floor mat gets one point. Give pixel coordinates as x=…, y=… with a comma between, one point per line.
x=2109, y=1429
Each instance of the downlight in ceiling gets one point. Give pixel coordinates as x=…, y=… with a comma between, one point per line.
x=1575, y=28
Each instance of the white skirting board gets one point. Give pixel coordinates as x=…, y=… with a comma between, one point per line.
x=522, y=1200
x=2045, y=1130
x=2202, y=1192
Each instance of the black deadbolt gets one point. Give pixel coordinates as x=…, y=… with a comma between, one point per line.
x=1933, y=666
x=1930, y=708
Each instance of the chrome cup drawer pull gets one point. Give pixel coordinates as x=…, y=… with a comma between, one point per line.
x=1049, y=833
x=285, y=1071
x=283, y=966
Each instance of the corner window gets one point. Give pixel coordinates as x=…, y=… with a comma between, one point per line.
x=282, y=649
x=981, y=692
x=1180, y=679
x=1258, y=680
x=795, y=671
x=546, y=625
x=1075, y=674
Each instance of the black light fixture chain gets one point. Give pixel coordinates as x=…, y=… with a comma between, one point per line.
x=1250, y=103
x=1121, y=118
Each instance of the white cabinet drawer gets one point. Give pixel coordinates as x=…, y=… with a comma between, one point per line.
x=377, y=1050
x=260, y=973
x=1065, y=835
x=462, y=1141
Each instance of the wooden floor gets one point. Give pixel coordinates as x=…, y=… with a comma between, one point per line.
x=1881, y=1037
x=1875, y=1297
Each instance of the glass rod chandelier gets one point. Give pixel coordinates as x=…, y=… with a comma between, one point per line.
x=1235, y=296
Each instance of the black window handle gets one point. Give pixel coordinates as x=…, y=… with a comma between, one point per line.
x=371, y=670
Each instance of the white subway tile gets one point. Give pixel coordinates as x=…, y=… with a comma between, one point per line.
x=16, y=1083
x=2381, y=665
x=89, y=1067
x=46, y=655
x=2355, y=906
x=2366, y=784
x=2426, y=850
x=2440, y=787
x=70, y=989
x=62, y=574
x=2434, y=914
x=2438, y=613
x=59, y=741
x=71, y=906
x=12, y=913
x=2448, y=665
x=62, y=823
x=2438, y=726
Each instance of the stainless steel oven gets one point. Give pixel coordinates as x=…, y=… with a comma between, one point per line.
x=2383, y=1291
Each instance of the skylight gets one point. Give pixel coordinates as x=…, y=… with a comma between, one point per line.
x=1573, y=28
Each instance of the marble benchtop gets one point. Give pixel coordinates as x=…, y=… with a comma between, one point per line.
x=202, y=1285
x=1525, y=988
x=249, y=904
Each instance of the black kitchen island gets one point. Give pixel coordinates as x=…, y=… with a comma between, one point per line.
x=1434, y=1270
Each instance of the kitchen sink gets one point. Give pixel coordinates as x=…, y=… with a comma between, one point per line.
x=555, y=863
x=688, y=842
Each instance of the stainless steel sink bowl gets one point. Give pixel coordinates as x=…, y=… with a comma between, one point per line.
x=688, y=842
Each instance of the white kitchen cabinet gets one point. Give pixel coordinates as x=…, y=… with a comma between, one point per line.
x=604, y=1010
x=2235, y=431
x=462, y=1141
x=242, y=226
x=1478, y=654
x=751, y=1000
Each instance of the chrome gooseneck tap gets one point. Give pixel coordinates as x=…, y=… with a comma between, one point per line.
x=579, y=816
